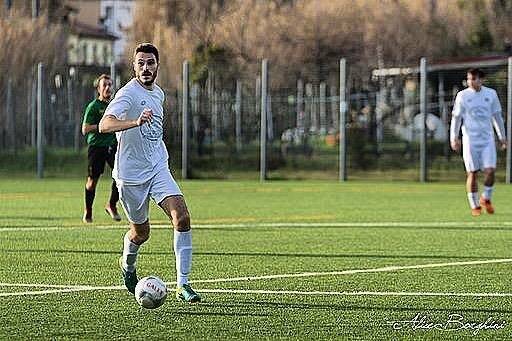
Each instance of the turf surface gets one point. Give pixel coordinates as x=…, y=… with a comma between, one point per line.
x=275, y=229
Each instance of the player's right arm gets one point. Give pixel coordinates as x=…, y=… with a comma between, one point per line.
x=110, y=123
x=456, y=123
x=115, y=119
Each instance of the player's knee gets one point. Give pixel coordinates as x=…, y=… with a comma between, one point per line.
x=91, y=184
x=140, y=237
x=139, y=233
x=182, y=222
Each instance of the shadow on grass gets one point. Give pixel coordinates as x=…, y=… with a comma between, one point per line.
x=35, y=218
x=252, y=254
x=223, y=313
x=10, y=221
x=343, y=307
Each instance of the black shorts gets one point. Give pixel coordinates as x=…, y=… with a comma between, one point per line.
x=97, y=157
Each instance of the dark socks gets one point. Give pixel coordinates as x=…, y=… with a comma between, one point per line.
x=114, y=195
x=89, y=198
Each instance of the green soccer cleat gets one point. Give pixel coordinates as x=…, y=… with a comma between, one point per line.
x=185, y=293
x=130, y=278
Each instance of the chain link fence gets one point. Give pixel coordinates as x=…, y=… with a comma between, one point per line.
x=380, y=116
x=64, y=94
x=399, y=120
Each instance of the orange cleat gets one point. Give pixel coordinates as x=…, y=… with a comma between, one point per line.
x=475, y=212
x=487, y=205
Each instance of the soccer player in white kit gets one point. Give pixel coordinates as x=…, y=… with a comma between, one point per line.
x=141, y=170
x=477, y=109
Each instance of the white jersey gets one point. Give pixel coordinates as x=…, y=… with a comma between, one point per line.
x=141, y=152
x=477, y=112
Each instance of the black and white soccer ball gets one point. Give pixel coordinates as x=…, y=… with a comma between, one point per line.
x=150, y=292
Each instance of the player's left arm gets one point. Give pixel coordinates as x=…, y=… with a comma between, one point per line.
x=86, y=128
x=497, y=121
x=88, y=125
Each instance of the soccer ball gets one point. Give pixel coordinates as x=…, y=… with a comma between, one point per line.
x=150, y=292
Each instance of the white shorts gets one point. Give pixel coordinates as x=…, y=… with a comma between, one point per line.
x=479, y=156
x=135, y=198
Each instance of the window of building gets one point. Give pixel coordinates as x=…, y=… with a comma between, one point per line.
x=108, y=12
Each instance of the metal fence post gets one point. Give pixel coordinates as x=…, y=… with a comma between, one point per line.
x=33, y=110
x=113, y=75
x=323, y=112
x=71, y=113
x=300, y=104
x=238, y=116
x=308, y=109
x=35, y=8
x=443, y=112
x=40, y=122
x=184, y=133
x=342, y=121
x=263, y=123
x=509, y=121
x=11, y=123
x=423, y=113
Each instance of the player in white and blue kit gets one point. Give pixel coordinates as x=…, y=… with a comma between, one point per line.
x=477, y=110
x=141, y=170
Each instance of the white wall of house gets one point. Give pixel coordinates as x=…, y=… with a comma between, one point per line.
x=118, y=17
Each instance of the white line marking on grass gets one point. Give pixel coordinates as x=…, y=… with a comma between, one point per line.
x=356, y=271
x=70, y=288
x=354, y=293
x=64, y=289
x=360, y=224
x=37, y=229
x=41, y=292
x=38, y=285
x=276, y=225
x=277, y=292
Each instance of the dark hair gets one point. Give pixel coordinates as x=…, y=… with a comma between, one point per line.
x=476, y=72
x=98, y=80
x=146, y=48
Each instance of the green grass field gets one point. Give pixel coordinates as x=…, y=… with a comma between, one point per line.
x=326, y=261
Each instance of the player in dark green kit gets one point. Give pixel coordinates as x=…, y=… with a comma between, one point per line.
x=102, y=149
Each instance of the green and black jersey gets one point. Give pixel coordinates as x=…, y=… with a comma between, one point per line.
x=93, y=114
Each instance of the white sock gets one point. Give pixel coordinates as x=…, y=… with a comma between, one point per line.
x=473, y=199
x=183, y=253
x=487, y=193
x=130, y=251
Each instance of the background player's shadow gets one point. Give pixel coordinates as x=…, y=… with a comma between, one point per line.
x=348, y=255
x=253, y=254
x=36, y=218
x=240, y=303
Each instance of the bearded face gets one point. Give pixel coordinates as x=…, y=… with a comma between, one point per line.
x=146, y=68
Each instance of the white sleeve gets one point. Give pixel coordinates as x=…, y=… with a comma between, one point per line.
x=458, y=110
x=119, y=106
x=162, y=95
x=497, y=119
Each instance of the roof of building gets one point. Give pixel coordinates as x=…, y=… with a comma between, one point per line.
x=85, y=30
x=444, y=65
